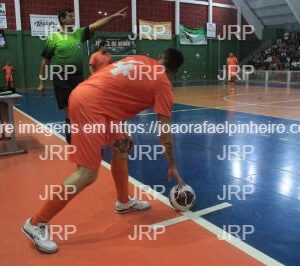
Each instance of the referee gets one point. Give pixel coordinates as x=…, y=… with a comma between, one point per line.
x=64, y=51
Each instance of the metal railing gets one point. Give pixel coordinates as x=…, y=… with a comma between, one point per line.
x=287, y=77
x=267, y=77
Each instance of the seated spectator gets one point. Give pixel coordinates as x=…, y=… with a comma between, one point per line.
x=269, y=59
x=286, y=36
x=278, y=41
x=284, y=54
x=298, y=65
x=274, y=66
x=294, y=65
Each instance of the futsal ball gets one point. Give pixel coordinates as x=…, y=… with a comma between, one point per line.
x=182, y=198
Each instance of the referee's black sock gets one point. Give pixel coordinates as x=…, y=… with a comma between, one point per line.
x=68, y=130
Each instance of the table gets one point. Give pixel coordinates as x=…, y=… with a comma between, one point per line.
x=9, y=144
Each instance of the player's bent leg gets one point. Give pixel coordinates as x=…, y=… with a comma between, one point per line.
x=37, y=228
x=81, y=178
x=119, y=170
x=10, y=81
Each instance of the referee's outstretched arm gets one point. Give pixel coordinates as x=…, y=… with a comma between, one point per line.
x=104, y=21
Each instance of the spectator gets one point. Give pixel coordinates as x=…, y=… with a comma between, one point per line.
x=294, y=65
x=284, y=54
x=286, y=36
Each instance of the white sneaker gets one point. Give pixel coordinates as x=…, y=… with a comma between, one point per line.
x=132, y=205
x=40, y=236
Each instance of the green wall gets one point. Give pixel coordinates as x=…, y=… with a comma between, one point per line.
x=201, y=62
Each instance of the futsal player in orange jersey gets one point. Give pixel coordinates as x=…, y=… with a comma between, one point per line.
x=100, y=59
x=232, y=65
x=9, y=71
x=117, y=93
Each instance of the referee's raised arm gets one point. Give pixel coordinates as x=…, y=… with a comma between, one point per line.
x=104, y=21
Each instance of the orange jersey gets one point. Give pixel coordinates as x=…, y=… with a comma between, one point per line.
x=99, y=60
x=232, y=63
x=126, y=88
x=114, y=94
x=8, y=70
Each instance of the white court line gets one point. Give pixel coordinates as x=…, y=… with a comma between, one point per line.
x=220, y=233
x=284, y=139
x=193, y=109
x=265, y=135
x=263, y=104
x=252, y=252
x=55, y=123
x=240, y=104
x=192, y=216
x=176, y=111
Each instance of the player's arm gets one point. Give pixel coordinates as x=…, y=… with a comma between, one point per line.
x=167, y=141
x=104, y=21
x=41, y=88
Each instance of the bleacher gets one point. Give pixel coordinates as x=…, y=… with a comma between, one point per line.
x=284, y=54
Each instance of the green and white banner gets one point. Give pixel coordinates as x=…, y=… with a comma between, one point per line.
x=192, y=36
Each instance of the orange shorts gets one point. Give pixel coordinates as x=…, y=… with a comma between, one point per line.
x=232, y=72
x=90, y=134
x=232, y=75
x=9, y=78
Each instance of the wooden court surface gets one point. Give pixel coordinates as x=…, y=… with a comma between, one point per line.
x=274, y=102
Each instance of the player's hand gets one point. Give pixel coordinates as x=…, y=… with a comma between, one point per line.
x=41, y=90
x=121, y=13
x=174, y=173
x=130, y=143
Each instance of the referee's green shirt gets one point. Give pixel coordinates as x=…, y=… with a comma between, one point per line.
x=66, y=48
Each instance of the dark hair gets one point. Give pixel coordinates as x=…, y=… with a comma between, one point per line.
x=63, y=13
x=173, y=59
x=102, y=44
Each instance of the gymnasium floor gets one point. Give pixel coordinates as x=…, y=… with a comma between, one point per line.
x=102, y=238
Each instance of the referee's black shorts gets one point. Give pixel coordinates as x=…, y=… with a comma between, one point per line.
x=64, y=87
